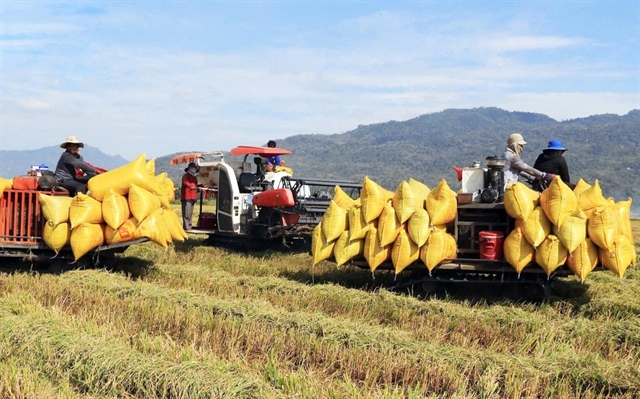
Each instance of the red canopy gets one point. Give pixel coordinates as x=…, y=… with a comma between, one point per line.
x=186, y=158
x=260, y=151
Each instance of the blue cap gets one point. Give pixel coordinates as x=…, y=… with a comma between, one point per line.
x=556, y=145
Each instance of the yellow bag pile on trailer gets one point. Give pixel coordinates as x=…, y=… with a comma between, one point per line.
x=551, y=254
x=126, y=232
x=154, y=228
x=405, y=201
x=591, y=198
x=520, y=200
x=442, y=204
x=374, y=253
x=518, y=252
x=84, y=209
x=342, y=199
x=115, y=209
x=86, y=237
x=56, y=236
x=321, y=248
x=358, y=226
x=120, y=179
x=440, y=246
x=419, y=227
x=573, y=231
x=584, y=259
x=388, y=226
x=142, y=202
x=373, y=199
x=558, y=202
x=404, y=252
x=536, y=227
x=346, y=248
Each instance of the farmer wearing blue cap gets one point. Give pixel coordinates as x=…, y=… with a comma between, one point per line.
x=551, y=161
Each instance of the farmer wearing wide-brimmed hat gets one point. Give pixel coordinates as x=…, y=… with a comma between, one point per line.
x=70, y=163
x=189, y=193
x=552, y=161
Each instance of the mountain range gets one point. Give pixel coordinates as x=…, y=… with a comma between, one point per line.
x=604, y=147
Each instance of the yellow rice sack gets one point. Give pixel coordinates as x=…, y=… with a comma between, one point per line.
x=55, y=208
x=86, y=237
x=440, y=246
x=56, y=237
x=84, y=209
x=583, y=259
x=591, y=198
x=167, y=188
x=623, y=213
x=580, y=187
x=551, y=254
x=536, y=227
x=520, y=200
x=442, y=204
x=405, y=201
x=357, y=225
x=558, y=202
x=155, y=229
x=374, y=253
x=120, y=179
x=619, y=257
x=347, y=249
x=174, y=224
x=602, y=227
x=388, y=226
x=404, y=252
x=334, y=221
x=419, y=227
x=573, y=231
x=342, y=199
x=373, y=198
x=421, y=189
x=321, y=249
x=150, y=166
x=115, y=209
x=5, y=184
x=125, y=232
x=142, y=202
x=518, y=252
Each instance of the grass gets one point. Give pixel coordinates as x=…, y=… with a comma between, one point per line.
x=196, y=321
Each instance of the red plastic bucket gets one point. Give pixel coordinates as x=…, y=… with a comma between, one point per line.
x=491, y=244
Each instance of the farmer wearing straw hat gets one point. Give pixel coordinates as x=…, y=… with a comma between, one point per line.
x=68, y=165
x=189, y=194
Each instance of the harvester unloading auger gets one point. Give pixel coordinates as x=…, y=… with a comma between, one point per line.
x=254, y=208
x=481, y=233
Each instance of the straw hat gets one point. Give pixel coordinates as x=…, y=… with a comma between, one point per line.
x=516, y=138
x=72, y=140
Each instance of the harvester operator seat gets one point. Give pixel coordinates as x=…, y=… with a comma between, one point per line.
x=249, y=182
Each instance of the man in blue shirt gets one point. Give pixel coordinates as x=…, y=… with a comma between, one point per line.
x=274, y=160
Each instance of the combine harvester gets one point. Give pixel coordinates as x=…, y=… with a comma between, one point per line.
x=255, y=208
x=481, y=234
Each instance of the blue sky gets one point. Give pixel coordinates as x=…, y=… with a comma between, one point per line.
x=167, y=76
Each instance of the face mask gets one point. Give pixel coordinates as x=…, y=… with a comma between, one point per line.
x=192, y=171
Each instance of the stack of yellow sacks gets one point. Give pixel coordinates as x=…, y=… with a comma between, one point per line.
x=579, y=227
x=5, y=184
x=402, y=226
x=124, y=204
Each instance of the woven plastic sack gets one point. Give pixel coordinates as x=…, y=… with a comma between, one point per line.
x=536, y=227
x=155, y=229
x=374, y=253
x=388, y=226
x=404, y=252
x=168, y=189
x=142, y=202
x=120, y=179
x=602, y=227
x=358, y=227
x=115, y=209
x=551, y=254
x=373, y=199
x=342, y=199
x=405, y=201
x=55, y=208
x=520, y=200
x=86, y=237
x=591, y=198
x=421, y=189
x=334, y=221
x=419, y=227
x=558, y=202
x=623, y=213
x=174, y=224
x=619, y=257
x=321, y=248
x=583, y=259
x=150, y=166
x=126, y=232
x=442, y=204
x=347, y=249
x=580, y=187
x=440, y=246
x=84, y=209
x=56, y=237
x=573, y=231
x=518, y=252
